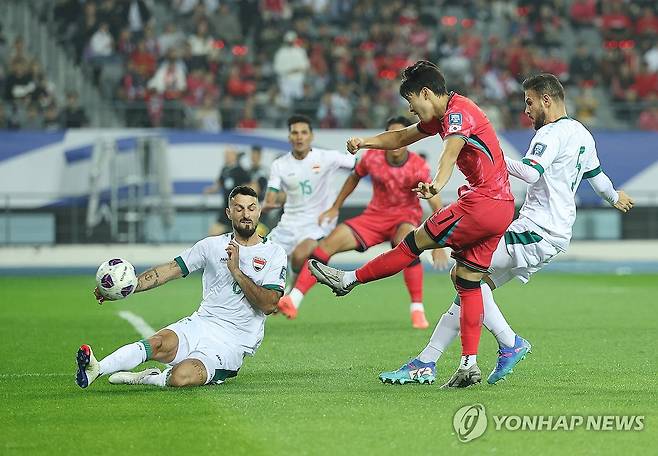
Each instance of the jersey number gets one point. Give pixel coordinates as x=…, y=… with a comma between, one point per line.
x=581, y=151
x=306, y=187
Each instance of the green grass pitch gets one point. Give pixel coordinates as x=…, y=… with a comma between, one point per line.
x=312, y=388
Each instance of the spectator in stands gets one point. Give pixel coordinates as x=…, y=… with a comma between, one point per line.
x=583, y=67
x=291, y=64
x=170, y=78
x=616, y=24
x=226, y=25
x=85, y=28
x=651, y=57
x=101, y=44
x=248, y=120
x=73, y=115
x=645, y=83
x=51, y=118
x=586, y=106
x=143, y=61
x=4, y=122
x=170, y=38
x=19, y=83
x=207, y=117
x=583, y=13
x=201, y=44
x=186, y=7
x=136, y=14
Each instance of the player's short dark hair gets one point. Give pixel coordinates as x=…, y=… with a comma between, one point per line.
x=422, y=74
x=256, y=148
x=402, y=120
x=545, y=83
x=242, y=190
x=300, y=118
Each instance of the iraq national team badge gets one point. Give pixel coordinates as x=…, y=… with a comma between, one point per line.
x=258, y=263
x=454, y=122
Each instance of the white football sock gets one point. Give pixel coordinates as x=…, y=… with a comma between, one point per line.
x=446, y=330
x=297, y=297
x=124, y=359
x=494, y=320
x=416, y=306
x=157, y=380
x=467, y=361
x=349, y=278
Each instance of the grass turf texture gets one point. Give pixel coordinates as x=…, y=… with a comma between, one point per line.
x=312, y=387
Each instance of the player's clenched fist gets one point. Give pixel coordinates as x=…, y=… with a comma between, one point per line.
x=354, y=144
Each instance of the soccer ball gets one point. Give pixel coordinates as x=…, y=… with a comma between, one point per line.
x=116, y=279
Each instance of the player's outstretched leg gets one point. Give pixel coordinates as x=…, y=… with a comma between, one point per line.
x=415, y=371
x=332, y=277
x=508, y=357
x=88, y=367
x=132, y=378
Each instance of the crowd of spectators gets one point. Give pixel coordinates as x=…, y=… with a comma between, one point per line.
x=29, y=98
x=214, y=65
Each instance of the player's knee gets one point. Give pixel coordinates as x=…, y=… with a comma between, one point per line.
x=156, y=343
x=187, y=376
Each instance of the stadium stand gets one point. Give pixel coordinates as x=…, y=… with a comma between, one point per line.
x=210, y=65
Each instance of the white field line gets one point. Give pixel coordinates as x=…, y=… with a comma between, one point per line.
x=36, y=374
x=137, y=322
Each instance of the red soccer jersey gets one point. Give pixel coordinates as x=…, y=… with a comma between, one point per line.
x=481, y=159
x=393, y=184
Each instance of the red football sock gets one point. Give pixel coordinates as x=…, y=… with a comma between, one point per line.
x=472, y=312
x=305, y=280
x=386, y=264
x=413, y=278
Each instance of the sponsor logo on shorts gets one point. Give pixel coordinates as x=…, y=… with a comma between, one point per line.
x=258, y=263
x=538, y=149
x=282, y=275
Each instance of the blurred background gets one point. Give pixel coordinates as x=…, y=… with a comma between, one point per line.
x=121, y=120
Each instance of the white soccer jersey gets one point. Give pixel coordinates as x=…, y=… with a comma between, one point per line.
x=224, y=303
x=564, y=153
x=307, y=183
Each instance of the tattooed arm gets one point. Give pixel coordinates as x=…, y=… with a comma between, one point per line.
x=158, y=275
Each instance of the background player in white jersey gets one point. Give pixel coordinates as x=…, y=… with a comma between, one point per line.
x=561, y=154
x=243, y=279
x=303, y=179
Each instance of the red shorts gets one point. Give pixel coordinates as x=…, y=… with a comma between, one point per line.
x=374, y=228
x=471, y=227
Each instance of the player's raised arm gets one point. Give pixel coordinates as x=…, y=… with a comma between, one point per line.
x=452, y=146
x=154, y=277
x=388, y=140
x=159, y=275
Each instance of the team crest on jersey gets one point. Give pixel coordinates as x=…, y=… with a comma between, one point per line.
x=538, y=149
x=258, y=263
x=316, y=168
x=455, y=118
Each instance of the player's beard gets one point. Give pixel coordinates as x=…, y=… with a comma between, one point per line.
x=245, y=233
x=540, y=119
